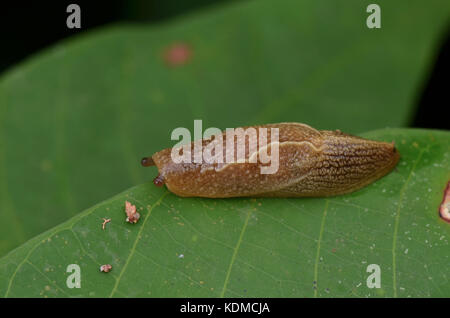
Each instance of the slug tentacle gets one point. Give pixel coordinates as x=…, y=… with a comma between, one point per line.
x=147, y=162
x=309, y=162
x=158, y=181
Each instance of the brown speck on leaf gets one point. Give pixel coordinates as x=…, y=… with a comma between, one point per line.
x=177, y=54
x=444, y=209
x=104, y=223
x=105, y=268
x=132, y=215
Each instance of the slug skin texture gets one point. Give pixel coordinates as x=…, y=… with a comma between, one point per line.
x=311, y=163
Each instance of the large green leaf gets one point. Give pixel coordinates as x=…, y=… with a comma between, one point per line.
x=76, y=119
x=256, y=247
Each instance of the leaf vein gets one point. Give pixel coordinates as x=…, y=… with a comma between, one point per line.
x=397, y=220
x=136, y=241
x=233, y=257
x=316, y=264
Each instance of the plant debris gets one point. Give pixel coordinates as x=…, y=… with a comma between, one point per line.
x=104, y=223
x=132, y=215
x=105, y=268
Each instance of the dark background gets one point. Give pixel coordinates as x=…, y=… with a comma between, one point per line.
x=28, y=27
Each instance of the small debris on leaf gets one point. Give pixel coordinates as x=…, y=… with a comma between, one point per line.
x=444, y=209
x=105, y=268
x=104, y=223
x=132, y=215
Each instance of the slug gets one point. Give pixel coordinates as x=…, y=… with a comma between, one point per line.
x=309, y=162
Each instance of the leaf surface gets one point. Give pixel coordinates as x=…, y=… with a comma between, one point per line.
x=272, y=247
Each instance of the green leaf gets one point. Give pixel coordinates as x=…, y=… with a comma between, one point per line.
x=76, y=119
x=191, y=247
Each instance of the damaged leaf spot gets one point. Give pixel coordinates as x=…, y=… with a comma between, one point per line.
x=132, y=215
x=177, y=54
x=444, y=209
x=105, y=268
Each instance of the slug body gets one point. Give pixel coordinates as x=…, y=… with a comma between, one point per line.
x=311, y=163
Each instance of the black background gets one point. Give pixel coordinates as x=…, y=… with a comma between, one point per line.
x=154, y=307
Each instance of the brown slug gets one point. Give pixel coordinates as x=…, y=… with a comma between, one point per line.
x=309, y=162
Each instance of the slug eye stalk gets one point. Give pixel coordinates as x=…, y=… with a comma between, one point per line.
x=147, y=162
